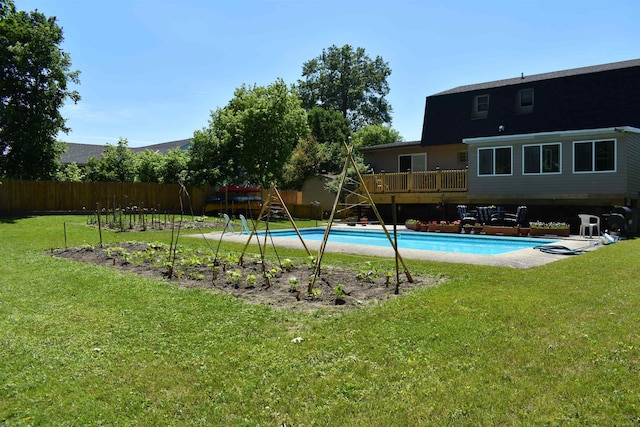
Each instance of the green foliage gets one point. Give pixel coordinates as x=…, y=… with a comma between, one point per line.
x=120, y=164
x=375, y=134
x=348, y=81
x=328, y=126
x=70, y=173
x=305, y=161
x=173, y=167
x=148, y=165
x=33, y=89
x=117, y=164
x=251, y=139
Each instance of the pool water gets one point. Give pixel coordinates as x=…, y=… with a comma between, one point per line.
x=440, y=242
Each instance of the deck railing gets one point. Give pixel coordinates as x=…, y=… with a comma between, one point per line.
x=417, y=182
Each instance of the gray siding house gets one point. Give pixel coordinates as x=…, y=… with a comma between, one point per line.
x=562, y=143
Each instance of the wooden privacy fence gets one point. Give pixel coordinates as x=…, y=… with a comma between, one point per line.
x=53, y=196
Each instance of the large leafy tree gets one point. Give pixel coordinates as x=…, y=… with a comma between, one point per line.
x=250, y=140
x=375, y=135
x=117, y=164
x=173, y=166
x=349, y=81
x=33, y=88
x=330, y=130
x=305, y=161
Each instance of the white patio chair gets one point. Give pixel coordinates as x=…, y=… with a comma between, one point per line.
x=590, y=222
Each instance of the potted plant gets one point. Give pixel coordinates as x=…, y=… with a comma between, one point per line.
x=539, y=228
x=500, y=230
x=411, y=224
x=445, y=227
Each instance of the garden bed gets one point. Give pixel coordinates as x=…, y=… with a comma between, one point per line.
x=282, y=285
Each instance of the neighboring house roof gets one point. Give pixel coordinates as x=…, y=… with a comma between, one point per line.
x=81, y=153
x=544, y=76
x=392, y=145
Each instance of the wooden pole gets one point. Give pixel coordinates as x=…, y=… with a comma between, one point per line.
x=395, y=241
x=377, y=214
x=99, y=223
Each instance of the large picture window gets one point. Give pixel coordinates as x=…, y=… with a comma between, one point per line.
x=494, y=161
x=413, y=162
x=541, y=158
x=594, y=156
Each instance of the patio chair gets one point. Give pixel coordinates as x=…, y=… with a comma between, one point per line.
x=590, y=222
x=245, y=226
x=466, y=218
x=484, y=215
x=227, y=224
x=517, y=219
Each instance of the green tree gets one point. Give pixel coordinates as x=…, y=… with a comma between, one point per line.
x=148, y=166
x=33, y=88
x=209, y=161
x=331, y=130
x=375, y=135
x=250, y=140
x=305, y=161
x=70, y=173
x=348, y=81
x=117, y=164
x=173, y=166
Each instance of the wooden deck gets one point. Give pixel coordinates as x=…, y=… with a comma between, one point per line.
x=449, y=186
x=437, y=181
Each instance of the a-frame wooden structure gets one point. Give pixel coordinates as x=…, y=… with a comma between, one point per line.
x=364, y=199
x=276, y=203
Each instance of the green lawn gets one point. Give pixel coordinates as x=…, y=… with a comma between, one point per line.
x=88, y=345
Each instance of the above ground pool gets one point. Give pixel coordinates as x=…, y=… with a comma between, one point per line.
x=440, y=242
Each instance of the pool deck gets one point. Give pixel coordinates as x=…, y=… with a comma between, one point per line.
x=525, y=258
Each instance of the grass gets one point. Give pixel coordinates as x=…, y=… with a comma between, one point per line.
x=87, y=345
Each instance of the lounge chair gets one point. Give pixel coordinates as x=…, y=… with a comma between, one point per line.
x=227, y=224
x=245, y=226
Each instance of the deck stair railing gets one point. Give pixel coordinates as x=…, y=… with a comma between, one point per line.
x=417, y=182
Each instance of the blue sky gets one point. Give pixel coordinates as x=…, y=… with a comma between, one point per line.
x=153, y=70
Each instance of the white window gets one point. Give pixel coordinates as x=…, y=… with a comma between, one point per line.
x=495, y=161
x=594, y=156
x=541, y=159
x=412, y=162
x=524, y=101
x=480, y=106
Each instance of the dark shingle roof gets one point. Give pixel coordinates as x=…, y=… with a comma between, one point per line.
x=543, y=76
x=400, y=144
x=80, y=153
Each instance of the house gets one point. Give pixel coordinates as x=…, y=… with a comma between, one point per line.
x=314, y=191
x=563, y=143
x=81, y=153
